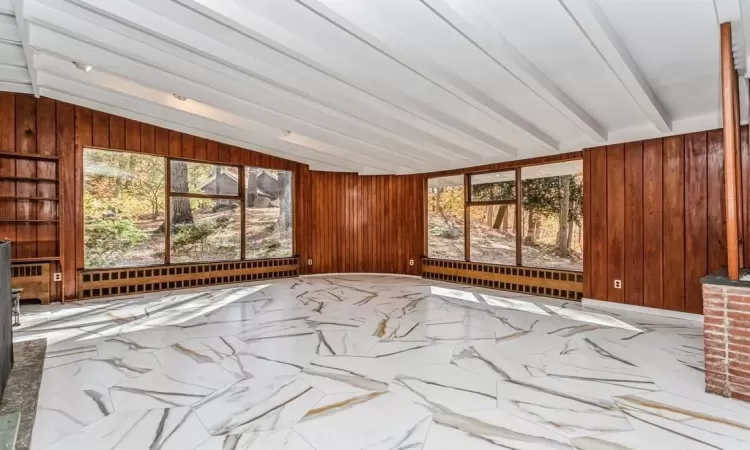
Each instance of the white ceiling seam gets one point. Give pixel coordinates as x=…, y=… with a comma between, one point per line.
x=209, y=94
x=473, y=28
x=591, y=20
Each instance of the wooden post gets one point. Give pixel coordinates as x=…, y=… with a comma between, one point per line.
x=729, y=93
x=467, y=217
x=519, y=218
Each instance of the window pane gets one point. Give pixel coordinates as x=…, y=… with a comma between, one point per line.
x=123, y=201
x=205, y=229
x=553, y=215
x=493, y=186
x=268, y=217
x=198, y=178
x=445, y=217
x=493, y=234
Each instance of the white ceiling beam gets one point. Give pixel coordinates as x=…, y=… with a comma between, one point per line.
x=110, y=102
x=9, y=29
x=14, y=74
x=23, y=31
x=593, y=23
x=470, y=25
x=21, y=88
x=6, y=7
x=216, y=85
x=445, y=80
x=289, y=47
x=51, y=41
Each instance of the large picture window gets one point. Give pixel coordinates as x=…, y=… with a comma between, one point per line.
x=127, y=223
x=268, y=213
x=530, y=216
x=445, y=217
x=123, y=203
x=553, y=215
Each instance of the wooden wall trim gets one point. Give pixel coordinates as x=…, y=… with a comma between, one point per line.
x=508, y=164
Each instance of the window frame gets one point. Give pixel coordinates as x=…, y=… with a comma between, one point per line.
x=517, y=201
x=168, y=195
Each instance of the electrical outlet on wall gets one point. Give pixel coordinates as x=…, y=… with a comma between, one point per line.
x=618, y=284
x=411, y=262
x=58, y=276
x=309, y=262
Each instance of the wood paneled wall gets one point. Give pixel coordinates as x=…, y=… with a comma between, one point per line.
x=654, y=219
x=363, y=223
x=46, y=126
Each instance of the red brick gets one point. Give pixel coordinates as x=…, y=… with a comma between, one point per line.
x=739, y=396
x=733, y=290
x=713, y=321
x=738, y=373
x=712, y=288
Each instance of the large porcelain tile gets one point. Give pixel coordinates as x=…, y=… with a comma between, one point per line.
x=264, y=440
x=445, y=388
x=489, y=429
x=164, y=429
x=147, y=341
x=170, y=387
x=199, y=351
x=410, y=354
x=259, y=404
x=490, y=360
x=568, y=406
x=688, y=418
x=257, y=365
x=60, y=355
x=376, y=420
x=348, y=374
x=96, y=372
x=62, y=413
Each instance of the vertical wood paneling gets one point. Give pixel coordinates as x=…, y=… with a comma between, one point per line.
x=696, y=218
x=615, y=221
x=83, y=131
x=132, y=135
x=653, y=227
x=100, y=137
x=745, y=174
x=673, y=266
x=175, y=144
x=46, y=145
x=161, y=141
x=597, y=273
x=188, y=146
x=116, y=133
x=633, y=281
x=26, y=134
x=200, y=148
x=716, y=222
x=66, y=146
x=7, y=165
x=148, y=139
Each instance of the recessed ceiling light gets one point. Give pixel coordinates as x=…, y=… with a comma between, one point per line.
x=179, y=97
x=81, y=66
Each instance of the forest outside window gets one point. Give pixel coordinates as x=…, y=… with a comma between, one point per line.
x=495, y=186
x=445, y=217
x=553, y=215
x=123, y=203
x=268, y=213
x=205, y=214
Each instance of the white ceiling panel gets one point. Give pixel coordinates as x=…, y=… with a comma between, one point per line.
x=380, y=86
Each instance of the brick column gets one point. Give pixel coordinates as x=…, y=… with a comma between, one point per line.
x=726, y=334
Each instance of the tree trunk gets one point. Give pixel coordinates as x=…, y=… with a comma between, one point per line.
x=531, y=232
x=285, y=200
x=571, y=228
x=181, y=212
x=489, y=215
x=251, y=191
x=562, y=231
x=501, y=220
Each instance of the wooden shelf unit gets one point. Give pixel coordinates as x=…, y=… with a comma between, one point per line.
x=57, y=259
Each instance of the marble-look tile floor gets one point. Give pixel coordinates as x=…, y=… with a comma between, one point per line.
x=370, y=362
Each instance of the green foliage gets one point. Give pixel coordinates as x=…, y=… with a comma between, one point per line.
x=107, y=239
x=194, y=236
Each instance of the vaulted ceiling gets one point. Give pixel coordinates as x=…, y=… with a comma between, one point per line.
x=380, y=86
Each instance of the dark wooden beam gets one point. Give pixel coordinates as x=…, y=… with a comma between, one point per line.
x=729, y=95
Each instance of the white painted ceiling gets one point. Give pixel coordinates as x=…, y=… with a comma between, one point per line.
x=380, y=86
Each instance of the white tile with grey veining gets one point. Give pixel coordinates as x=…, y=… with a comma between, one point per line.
x=167, y=388
x=348, y=374
x=489, y=429
x=375, y=420
x=164, y=429
x=199, y=351
x=65, y=412
x=262, y=440
x=445, y=387
x=360, y=361
x=257, y=404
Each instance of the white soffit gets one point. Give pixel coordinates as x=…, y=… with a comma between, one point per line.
x=382, y=86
